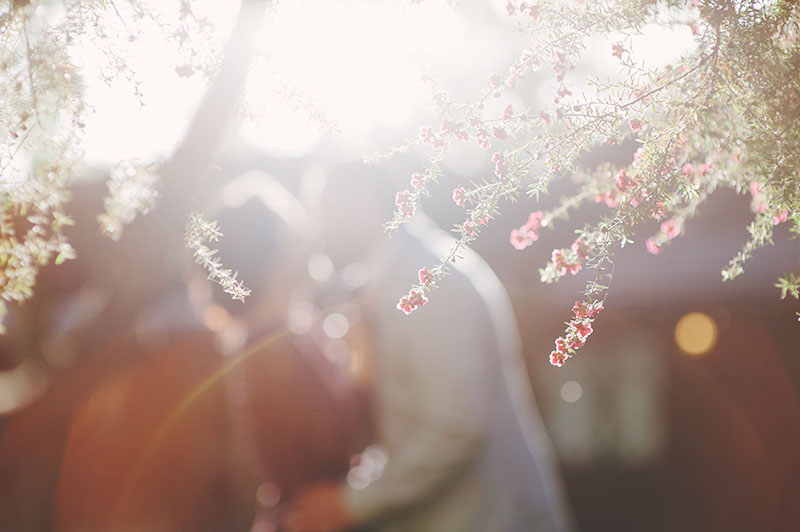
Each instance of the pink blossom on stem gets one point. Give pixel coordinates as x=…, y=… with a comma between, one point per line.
x=581, y=248
x=652, y=246
x=416, y=181
x=534, y=221
x=545, y=117
x=623, y=181
x=780, y=217
x=514, y=77
x=582, y=328
x=575, y=342
x=519, y=239
x=508, y=112
x=561, y=346
x=499, y=161
x=583, y=310
x=610, y=198
x=557, y=359
x=528, y=233
x=468, y=229
x=671, y=228
x=617, y=50
x=563, y=264
x=411, y=302
x=459, y=196
x=405, y=204
x=483, y=140
x=425, y=276
x=635, y=124
x=636, y=156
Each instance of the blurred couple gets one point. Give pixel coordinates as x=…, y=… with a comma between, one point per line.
x=457, y=443
x=339, y=412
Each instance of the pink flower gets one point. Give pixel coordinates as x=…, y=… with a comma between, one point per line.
x=582, y=328
x=534, y=221
x=519, y=239
x=581, y=248
x=670, y=228
x=557, y=359
x=417, y=297
x=529, y=232
x=495, y=81
x=426, y=134
x=545, y=117
x=483, y=140
x=561, y=346
x=416, y=181
x=499, y=161
x=687, y=170
x=755, y=188
x=635, y=123
x=510, y=9
x=623, y=181
x=780, y=217
x=405, y=306
x=459, y=196
x=575, y=342
x=610, y=199
x=404, y=204
x=499, y=133
x=562, y=264
x=617, y=50
x=468, y=229
x=652, y=247
x=693, y=27
x=514, y=76
x=425, y=276
x=508, y=112
x=637, y=156
x=480, y=219
x=582, y=310
x=411, y=302
x=705, y=169
x=658, y=211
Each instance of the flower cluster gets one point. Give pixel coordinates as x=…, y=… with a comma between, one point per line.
x=198, y=232
x=132, y=190
x=564, y=261
x=412, y=301
x=578, y=330
x=714, y=119
x=43, y=113
x=527, y=233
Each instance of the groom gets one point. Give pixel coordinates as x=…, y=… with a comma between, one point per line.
x=464, y=446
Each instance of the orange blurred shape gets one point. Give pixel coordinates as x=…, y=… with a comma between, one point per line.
x=115, y=476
